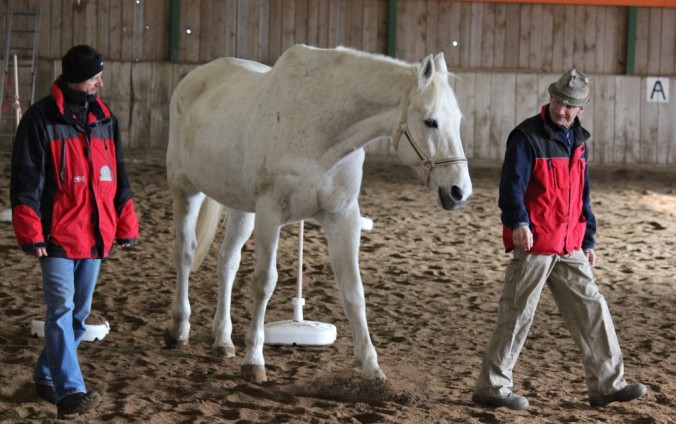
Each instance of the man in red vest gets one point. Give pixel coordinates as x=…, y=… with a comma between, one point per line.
x=549, y=227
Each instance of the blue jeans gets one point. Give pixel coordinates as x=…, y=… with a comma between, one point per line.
x=68, y=286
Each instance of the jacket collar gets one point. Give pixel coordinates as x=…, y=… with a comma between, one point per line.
x=557, y=132
x=71, y=104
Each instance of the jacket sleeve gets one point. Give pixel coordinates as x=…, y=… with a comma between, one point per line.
x=589, y=240
x=127, y=224
x=516, y=172
x=27, y=182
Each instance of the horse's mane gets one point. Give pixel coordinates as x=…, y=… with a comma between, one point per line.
x=373, y=56
x=383, y=58
x=308, y=54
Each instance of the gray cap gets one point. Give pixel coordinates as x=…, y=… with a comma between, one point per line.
x=572, y=88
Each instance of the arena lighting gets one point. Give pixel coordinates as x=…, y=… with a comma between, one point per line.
x=299, y=332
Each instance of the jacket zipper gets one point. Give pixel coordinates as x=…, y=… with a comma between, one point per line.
x=62, y=172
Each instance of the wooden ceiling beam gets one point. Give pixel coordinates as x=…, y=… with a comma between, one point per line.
x=637, y=3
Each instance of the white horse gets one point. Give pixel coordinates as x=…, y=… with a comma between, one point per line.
x=278, y=145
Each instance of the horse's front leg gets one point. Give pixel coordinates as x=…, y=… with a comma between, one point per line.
x=266, y=237
x=186, y=209
x=238, y=229
x=343, y=232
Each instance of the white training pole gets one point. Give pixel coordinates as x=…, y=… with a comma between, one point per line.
x=17, y=104
x=298, y=331
x=298, y=301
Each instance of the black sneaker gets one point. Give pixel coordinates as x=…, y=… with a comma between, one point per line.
x=46, y=392
x=77, y=404
x=630, y=392
x=511, y=401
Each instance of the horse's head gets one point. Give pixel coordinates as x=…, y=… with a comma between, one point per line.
x=427, y=137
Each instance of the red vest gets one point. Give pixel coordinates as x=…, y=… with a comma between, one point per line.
x=554, y=196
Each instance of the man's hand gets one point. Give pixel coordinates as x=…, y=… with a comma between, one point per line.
x=591, y=256
x=523, y=238
x=38, y=252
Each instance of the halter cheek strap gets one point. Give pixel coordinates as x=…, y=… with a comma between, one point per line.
x=427, y=163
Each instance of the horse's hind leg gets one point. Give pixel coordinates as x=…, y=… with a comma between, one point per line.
x=186, y=210
x=238, y=228
x=343, y=232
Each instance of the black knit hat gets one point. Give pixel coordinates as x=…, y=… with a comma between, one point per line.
x=80, y=63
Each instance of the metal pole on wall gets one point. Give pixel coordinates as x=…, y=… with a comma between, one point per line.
x=392, y=28
x=175, y=30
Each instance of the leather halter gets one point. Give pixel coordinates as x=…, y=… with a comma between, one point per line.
x=428, y=164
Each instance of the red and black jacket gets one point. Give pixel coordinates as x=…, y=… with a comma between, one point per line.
x=545, y=185
x=69, y=188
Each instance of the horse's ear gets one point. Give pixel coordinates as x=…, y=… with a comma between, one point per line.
x=425, y=72
x=440, y=62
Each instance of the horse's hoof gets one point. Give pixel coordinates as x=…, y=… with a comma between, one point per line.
x=379, y=375
x=254, y=373
x=224, y=351
x=172, y=343
x=373, y=374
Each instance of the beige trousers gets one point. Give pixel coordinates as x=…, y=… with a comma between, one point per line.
x=583, y=308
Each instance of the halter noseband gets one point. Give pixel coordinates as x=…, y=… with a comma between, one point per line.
x=427, y=163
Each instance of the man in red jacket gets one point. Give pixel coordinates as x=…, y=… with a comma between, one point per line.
x=549, y=226
x=71, y=201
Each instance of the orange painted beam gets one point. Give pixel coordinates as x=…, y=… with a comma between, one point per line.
x=637, y=3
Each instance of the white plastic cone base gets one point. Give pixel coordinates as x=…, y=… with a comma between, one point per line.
x=92, y=332
x=6, y=215
x=300, y=333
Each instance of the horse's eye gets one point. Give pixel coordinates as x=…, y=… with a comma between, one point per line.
x=431, y=123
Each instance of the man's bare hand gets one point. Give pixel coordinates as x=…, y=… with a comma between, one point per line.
x=591, y=256
x=38, y=252
x=523, y=238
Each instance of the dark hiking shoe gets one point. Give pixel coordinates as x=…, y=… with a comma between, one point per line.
x=46, y=392
x=511, y=401
x=77, y=404
x=630, y=392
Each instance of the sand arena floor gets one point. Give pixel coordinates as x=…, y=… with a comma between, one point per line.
x=432, y=281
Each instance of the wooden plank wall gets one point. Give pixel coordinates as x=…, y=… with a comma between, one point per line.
x=505, y=55
x=536, y=37
x=126, y=30
x=262, y=29
x=474, y=35
x=139, y=30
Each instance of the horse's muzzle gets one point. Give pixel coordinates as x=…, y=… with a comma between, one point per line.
x=452, y=197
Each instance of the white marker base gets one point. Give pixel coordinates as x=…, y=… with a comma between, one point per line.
x=93, y=332
x=300, y=333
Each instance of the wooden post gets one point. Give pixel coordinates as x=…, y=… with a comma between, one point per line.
x=392, y=29
x=175, y=30
x=631, y=42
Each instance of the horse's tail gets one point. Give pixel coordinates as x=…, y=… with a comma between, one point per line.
x=205, y=230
